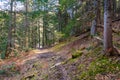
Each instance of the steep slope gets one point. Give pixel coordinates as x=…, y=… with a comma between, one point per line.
x=80, y=58
x=88, y=62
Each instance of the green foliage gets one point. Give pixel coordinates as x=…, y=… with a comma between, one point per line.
x=69, y=29
x=3, y=55
x=2, y=72
x=58, y=35
x=35, y=14
x=66, y=4
x=26, y=49
x=3, y=34
x=44, y=1
x=16, y=53
x=9, y=69
x=3, y=15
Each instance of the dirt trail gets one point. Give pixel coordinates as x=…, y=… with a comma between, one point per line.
x=43, y=64
x=21, y=59
x=37, y=66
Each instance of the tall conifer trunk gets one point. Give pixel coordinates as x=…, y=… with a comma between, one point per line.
x=108, y=45
x=97, y=17
x=9, y=43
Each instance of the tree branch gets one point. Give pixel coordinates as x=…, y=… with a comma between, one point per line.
x=116, y=20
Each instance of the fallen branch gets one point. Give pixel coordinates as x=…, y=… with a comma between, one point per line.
x=116, y=20
x=98, y=38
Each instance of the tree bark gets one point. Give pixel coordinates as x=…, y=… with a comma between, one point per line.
x=9, y=43
x=108, y=45
x=14, y=24
x=39, y=40
x=26, y=23
x=97, y=17
x=114, y=9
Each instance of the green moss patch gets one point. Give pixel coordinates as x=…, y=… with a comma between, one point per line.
x=77, y=54
x=102, y=65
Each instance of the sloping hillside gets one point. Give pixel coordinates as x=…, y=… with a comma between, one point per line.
x=79, y=59
x=88, y=61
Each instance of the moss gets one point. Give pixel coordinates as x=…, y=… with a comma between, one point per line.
x=89, y=48
x=69, y=61
x=95, y=52
x=59, y=46
x=85, y=76
x=30, y=77
x=81, y=66
x=77, y=54
x=62, y=44
x=37, y=65
x=99, y=64
x=102, y=65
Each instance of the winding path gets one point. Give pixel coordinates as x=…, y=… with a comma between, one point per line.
x=38, y=65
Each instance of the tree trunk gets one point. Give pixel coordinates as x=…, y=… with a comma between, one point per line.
x=43, y=34
x=26, y=23
x=108, y=45
x=39, y=34
x=9, y=43
x=14, y=29
x=113, y=9
x=59, y=21
x=97, y=17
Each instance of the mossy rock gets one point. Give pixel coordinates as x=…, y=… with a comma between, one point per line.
x=77, y=54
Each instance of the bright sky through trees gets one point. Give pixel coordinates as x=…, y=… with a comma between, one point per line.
x=4, y=5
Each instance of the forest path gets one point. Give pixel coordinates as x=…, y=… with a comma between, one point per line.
x=23, y=57
x=44, y=64
x=36, y=65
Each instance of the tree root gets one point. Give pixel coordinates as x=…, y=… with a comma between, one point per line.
x=112, y=52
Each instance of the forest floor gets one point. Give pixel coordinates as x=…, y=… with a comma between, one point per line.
x=78, y=59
